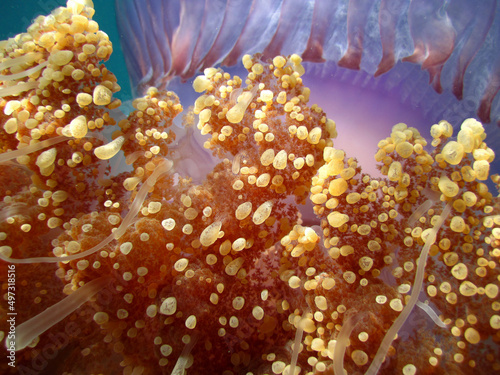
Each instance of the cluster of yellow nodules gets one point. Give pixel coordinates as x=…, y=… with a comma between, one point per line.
x=275, y=136
x=66, y=48
x=259, y=91
x=445, y=171
x=469, y=142
x=55, y=72
x=306, y=240
x=454, y=172
x=145, y=134
x=463, y=186
x=224, y=86
x=404, y=143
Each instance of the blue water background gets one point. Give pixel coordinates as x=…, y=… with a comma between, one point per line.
x=17, y=15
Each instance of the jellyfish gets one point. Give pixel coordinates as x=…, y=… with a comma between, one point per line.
x=279, y=249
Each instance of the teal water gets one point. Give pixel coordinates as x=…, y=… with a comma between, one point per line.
x=17, y=15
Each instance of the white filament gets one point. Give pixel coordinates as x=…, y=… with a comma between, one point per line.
x=162, y=168
x=420, y=211
x=136, y=205
x=417, y=287
x=296, y=348
x=6, y=156
x=432, y=314
x=13, y=209
x=24, y=73
x=31, y=148
x=182, y=361
x=17, y=89
x=27, y=58
x=34, y=327
x=341, y=344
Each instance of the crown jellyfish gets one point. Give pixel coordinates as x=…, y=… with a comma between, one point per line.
x=140, y=281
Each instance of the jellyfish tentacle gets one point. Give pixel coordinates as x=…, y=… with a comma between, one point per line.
x=213, y=17
x=432, y=314
x=29, y=330
x=417, y=287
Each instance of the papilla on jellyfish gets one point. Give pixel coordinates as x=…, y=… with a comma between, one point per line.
x=149, y=270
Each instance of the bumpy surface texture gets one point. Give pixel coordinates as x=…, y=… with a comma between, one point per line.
x=152, y=273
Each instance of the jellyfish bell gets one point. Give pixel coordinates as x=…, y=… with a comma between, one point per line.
x=373, y=64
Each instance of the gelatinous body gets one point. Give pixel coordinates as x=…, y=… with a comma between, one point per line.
x=145, y=270
x=456, y=41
